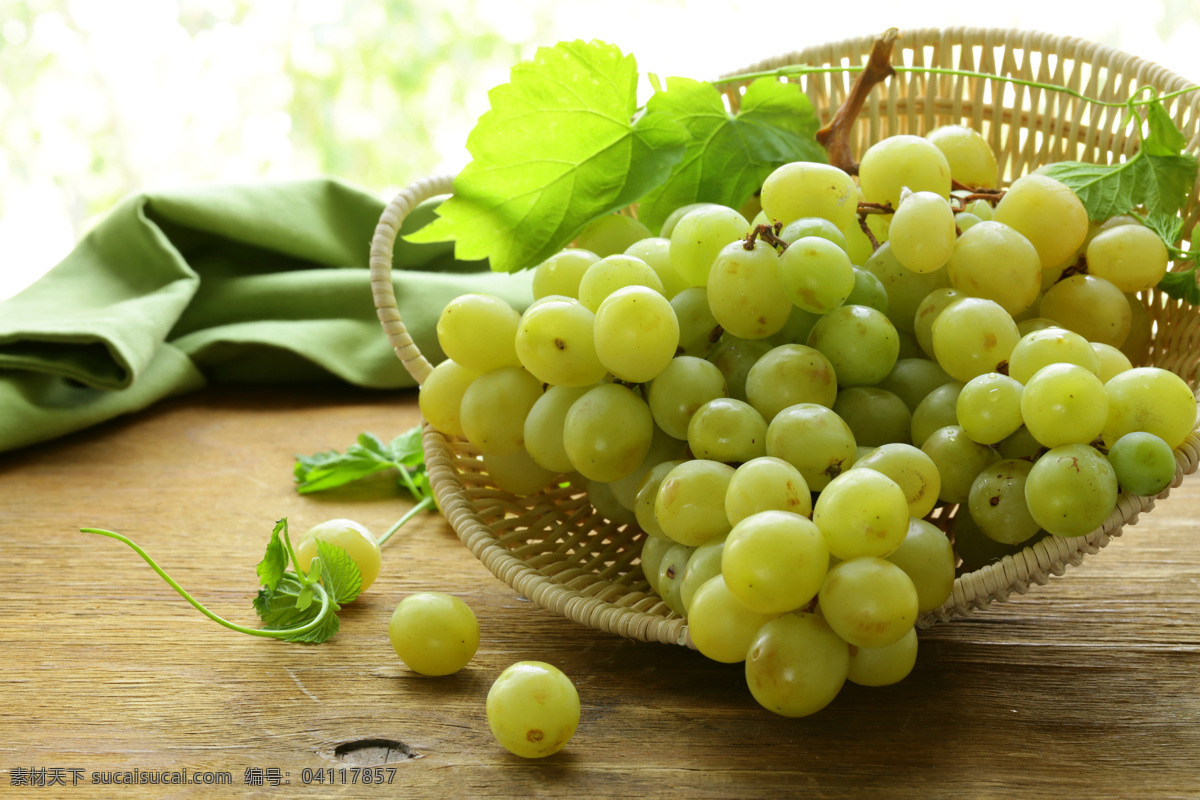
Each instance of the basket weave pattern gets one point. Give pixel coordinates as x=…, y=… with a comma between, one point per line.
x=553, y=548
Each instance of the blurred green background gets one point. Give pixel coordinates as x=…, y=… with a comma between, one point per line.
x=100, y=98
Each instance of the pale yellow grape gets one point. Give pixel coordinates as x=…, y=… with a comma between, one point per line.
x=905, y=288
x=959, y=460
x=698, y=328
x=883, y=666
x=913, y=378
x=1063, y=404
x=351, y=536
x=1092, y=307
x=1027, y=325
x=868, y=601
x=1071, y=490
x=556, y=342
x=796, y=665
x=766, y=484
x=614, y=272
x=611, y=234
x=720, y=626
x=997, y=502
x=607, y=432
x=560, y=273
x=656, y=251
x=922, y=233
x=972, y=160
x=517, y=473
x=861, y=343
x=813, y=226
x=703, y=566
x=809, y=189
x=699, y=236
x=636, y=333
x=668, y=226
x=774, y=561
x=1112, y=361
x=729, y=430
x=790, y=374
x=980, y=208
x=911, y=469
x=862, y=513
x=1047, y=213
x=927, y=557
x=478, y=331
x=1149, y=399
x=494, y=408
x=434, y=633
x=690, y=503
x=965, y=221
x=533, y=709
x=927, y=311
x=815, y=274
x=544, y=427
x=901, y=161
x=1052, y=345
x=995, y=262
x=1132, y=257
x=814, y=440
x=973, y=336
x=745, y=292
x=683, y=386
x=647, y=495
x=876, y=416
x=989, y=407
x=440, y=398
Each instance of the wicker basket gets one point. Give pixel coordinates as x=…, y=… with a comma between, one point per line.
x=554, y=549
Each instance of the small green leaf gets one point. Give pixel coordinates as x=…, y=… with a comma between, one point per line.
x=1169, y=182
x=304, y=600
x=1164, y=137
x=339, y=573
x=1182, y=285
x=1168, y=227
x=275, y=560
x=409, y=448
x=279, y=609
x=558, y=148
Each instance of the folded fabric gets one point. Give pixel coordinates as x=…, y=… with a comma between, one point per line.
x=262, y=283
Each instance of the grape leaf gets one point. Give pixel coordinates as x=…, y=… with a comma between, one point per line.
x=339, y=573
x=367, y=456
x=559, y=148
x=275, y=560
x=1182, y=285
x=280, y=610
x=728, y=156
x=1169, y=227
x=1163, y=137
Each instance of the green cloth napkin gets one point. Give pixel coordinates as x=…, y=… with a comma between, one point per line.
x=256, y=283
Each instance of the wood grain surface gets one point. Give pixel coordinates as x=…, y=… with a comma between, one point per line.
x=1088, y=687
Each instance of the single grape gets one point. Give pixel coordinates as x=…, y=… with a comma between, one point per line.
x=1071, y=490
x=735, y=358
x=604, y=501
x=615, y=272
x=796, y=665
x=959, y=460
x=720, y=626
x=774, y=561
x=1048, y=213
x=556, y=342
x=517, y=473
x=814, y=440
x=690, y=503
x=883, y=666
x=927, y=558
x=1092, y=307
x=977, y=549
x=875, y=416
x=766, y=484
x=905, y=288
x=995, y=262
x=683, y=386
x=813, y=226
x=560, y=273
x=809, y=189
x=922, y=233
x=790, y=374
x=971, y=159
x=354, y=538
x=862, y=513
x=868, y=291
x=611, y=234
x=654, y=549
x=668, y=226
x=478, y=331
x=989, y=407
x=868, y=601
x=440, y=398
x=647, y=495
x=607, y=432
x=901, y=161
x=543, y=428
x=698, y=328
x=703, y=565
x=671, y=569
x=636, y=333
x=745, y=292
x=1112, y=361
x=1053, y=345
x=494, y=408
x=912, y=379
x=938, y=409
x=533, y=709
x=729, y=430
x=912, y=470
x=1132, y=257
x=656, y=251
x=997, y=502
x=973, y=336
x=434, y=633
x=860, y=342
x=1149, y=399
x=699, y=236
x=1064, y=404
x=1144, y=463
x=815, y=274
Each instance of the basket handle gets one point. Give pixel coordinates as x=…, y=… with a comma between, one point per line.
x=382, y=251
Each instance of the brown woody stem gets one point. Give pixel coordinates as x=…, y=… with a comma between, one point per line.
x=835, y=136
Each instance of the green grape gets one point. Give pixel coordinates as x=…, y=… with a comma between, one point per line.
x=900, y=161
x=555, y=341
x=1132, y=257
x=611, y=234
x=615, y=272
x=912, y=379
x=703, y=566
x=656, y=251
x=1054, y=345
x=1112, y=361
x=494, y=408
x=911, y=469
x=971, y=159
x=868, y=291
x=662, y=448
x=862, y=513
x=980, y=208
x=698, y=328
x=434, y=633
x=927, y=558
x=1090, y=306
x=965, y=221
x=647, y=495
x=905, y=288
x=1020, y=444
x=729, y=430
x=787, y=375
x=860, y=342
x=973, y=336
x=1071, y=490
x=815, y=274
x=517, y=473
x=875, y=416
x=1027, y=325
x=478, y=331
x=766, y=484
x=814, y=440
x=1144, y=463
x=654, y=549
x=355, y=539
x=868, y=601
x=808, y=189
x=922, y=233
x=636, y=333
x=977, y=549
x=604, y=501
x=560, y=273
x=668, y=226
x=959, y=460
x=690, y=503
x=1064, y=404
x=1149, y=399
x=813, y=226
x=699, y=236
x=683, y=386
x=796, y=665
x=995, y=262
x=1048, y=214
x=774, y=561
x=884, y=666
x=745, y=292
x=440, y=398
x=543, y=427
x=988, y=408
x=607, y=432
x=735, y=358
x=927, y=311
x=533, y=709
x=997, y=502
x=938, y=409
x=720, y=626
x=795, y=331
x=1136, y=346
x=670, y=576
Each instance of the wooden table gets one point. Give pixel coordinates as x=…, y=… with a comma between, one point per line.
x=1089, y=687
